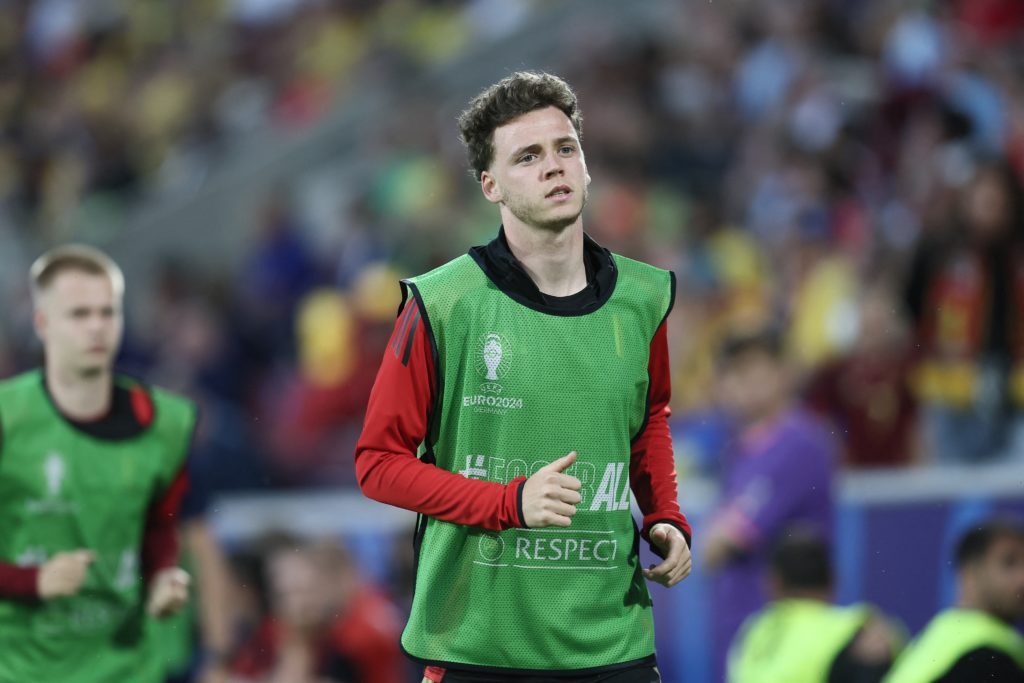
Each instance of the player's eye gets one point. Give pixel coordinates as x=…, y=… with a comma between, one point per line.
x=567, y=149
x=527, y=158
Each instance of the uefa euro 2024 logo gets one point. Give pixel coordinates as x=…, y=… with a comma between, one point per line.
x=493, y=359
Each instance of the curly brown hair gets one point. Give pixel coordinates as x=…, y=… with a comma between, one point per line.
x=510, y=98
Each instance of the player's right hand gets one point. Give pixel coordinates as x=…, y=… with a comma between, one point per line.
x=550, y=496
x=63, y=574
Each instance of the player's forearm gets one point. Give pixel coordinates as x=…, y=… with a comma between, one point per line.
x=18, y=583
x=402, y=480
x=652, y=466
x=652, y=475
x=213, y=577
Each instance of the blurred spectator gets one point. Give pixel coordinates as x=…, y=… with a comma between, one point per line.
x=800, y=635
x=278, y=271
x=867, y=393
x=976, y=640
x=779, y=473
x=324, y=625
x=966, y=293
x=320, y=410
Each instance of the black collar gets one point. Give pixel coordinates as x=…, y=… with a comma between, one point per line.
x=127, y=418
x=507, y=273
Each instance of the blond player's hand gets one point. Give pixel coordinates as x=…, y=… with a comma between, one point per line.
x=550, y=496
x=168, y=592
x=215, y=673
x=677, y=563
x=63, y=574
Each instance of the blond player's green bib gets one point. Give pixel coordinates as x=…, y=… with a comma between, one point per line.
x=519, y=388
x=62, y=489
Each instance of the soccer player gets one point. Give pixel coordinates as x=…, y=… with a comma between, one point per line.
x=976, y=640
x=801, y=635
x=531, y=376
x=91, y=472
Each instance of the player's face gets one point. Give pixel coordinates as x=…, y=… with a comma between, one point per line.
x=297, y=593
x=80, y=323
x=1000, y=579
x=538, y=175
x=752, y=384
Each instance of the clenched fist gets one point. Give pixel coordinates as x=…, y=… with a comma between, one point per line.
x=168, y=592
x=63, y=574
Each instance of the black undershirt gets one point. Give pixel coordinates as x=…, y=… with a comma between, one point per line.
x=506, y=271
x=121, y=421
x=983, y=665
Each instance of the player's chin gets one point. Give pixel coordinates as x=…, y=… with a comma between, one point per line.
x=93, y=366
x=557, y=221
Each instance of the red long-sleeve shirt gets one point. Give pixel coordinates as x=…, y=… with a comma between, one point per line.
x=396, y=423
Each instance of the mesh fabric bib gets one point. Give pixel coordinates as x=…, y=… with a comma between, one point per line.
x=519, y=388
x=61, y=489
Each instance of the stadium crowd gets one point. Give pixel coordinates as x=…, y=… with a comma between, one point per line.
x=847, y=169
x=849, y=174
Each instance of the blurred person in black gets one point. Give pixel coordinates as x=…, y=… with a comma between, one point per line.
x=801, y=635
x=966, y=293
x=976, y=640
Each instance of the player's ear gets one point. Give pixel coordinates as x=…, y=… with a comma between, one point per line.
x=39, y=322
x=489, y=186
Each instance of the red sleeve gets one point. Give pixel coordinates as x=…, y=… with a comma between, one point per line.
x=387, y=466
x=160, y=538
x=18, y=583
x=652, y=467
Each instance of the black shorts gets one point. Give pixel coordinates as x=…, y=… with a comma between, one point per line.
x=643, y=673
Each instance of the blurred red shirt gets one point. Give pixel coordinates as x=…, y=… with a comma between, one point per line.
x=870, y=401
x=360, y=646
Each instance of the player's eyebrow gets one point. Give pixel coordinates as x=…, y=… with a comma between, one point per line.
x=536, y=147
x=533, y=149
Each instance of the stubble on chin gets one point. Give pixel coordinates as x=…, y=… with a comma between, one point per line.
x=90, y=372
x=530, y=216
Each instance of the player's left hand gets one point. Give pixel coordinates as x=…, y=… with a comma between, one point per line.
x=677, y=563
x=168, y=592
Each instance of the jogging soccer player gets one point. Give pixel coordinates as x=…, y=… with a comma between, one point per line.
x=531, y=377
x=91, y=473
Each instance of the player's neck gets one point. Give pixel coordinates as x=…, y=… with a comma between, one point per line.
x=812, y=594
x=971, y=599
x=81, y=397
x=553, y=260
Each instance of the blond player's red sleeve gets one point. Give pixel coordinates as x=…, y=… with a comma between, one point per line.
x=18, y=583
x=652, y=467
x=397, y=418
